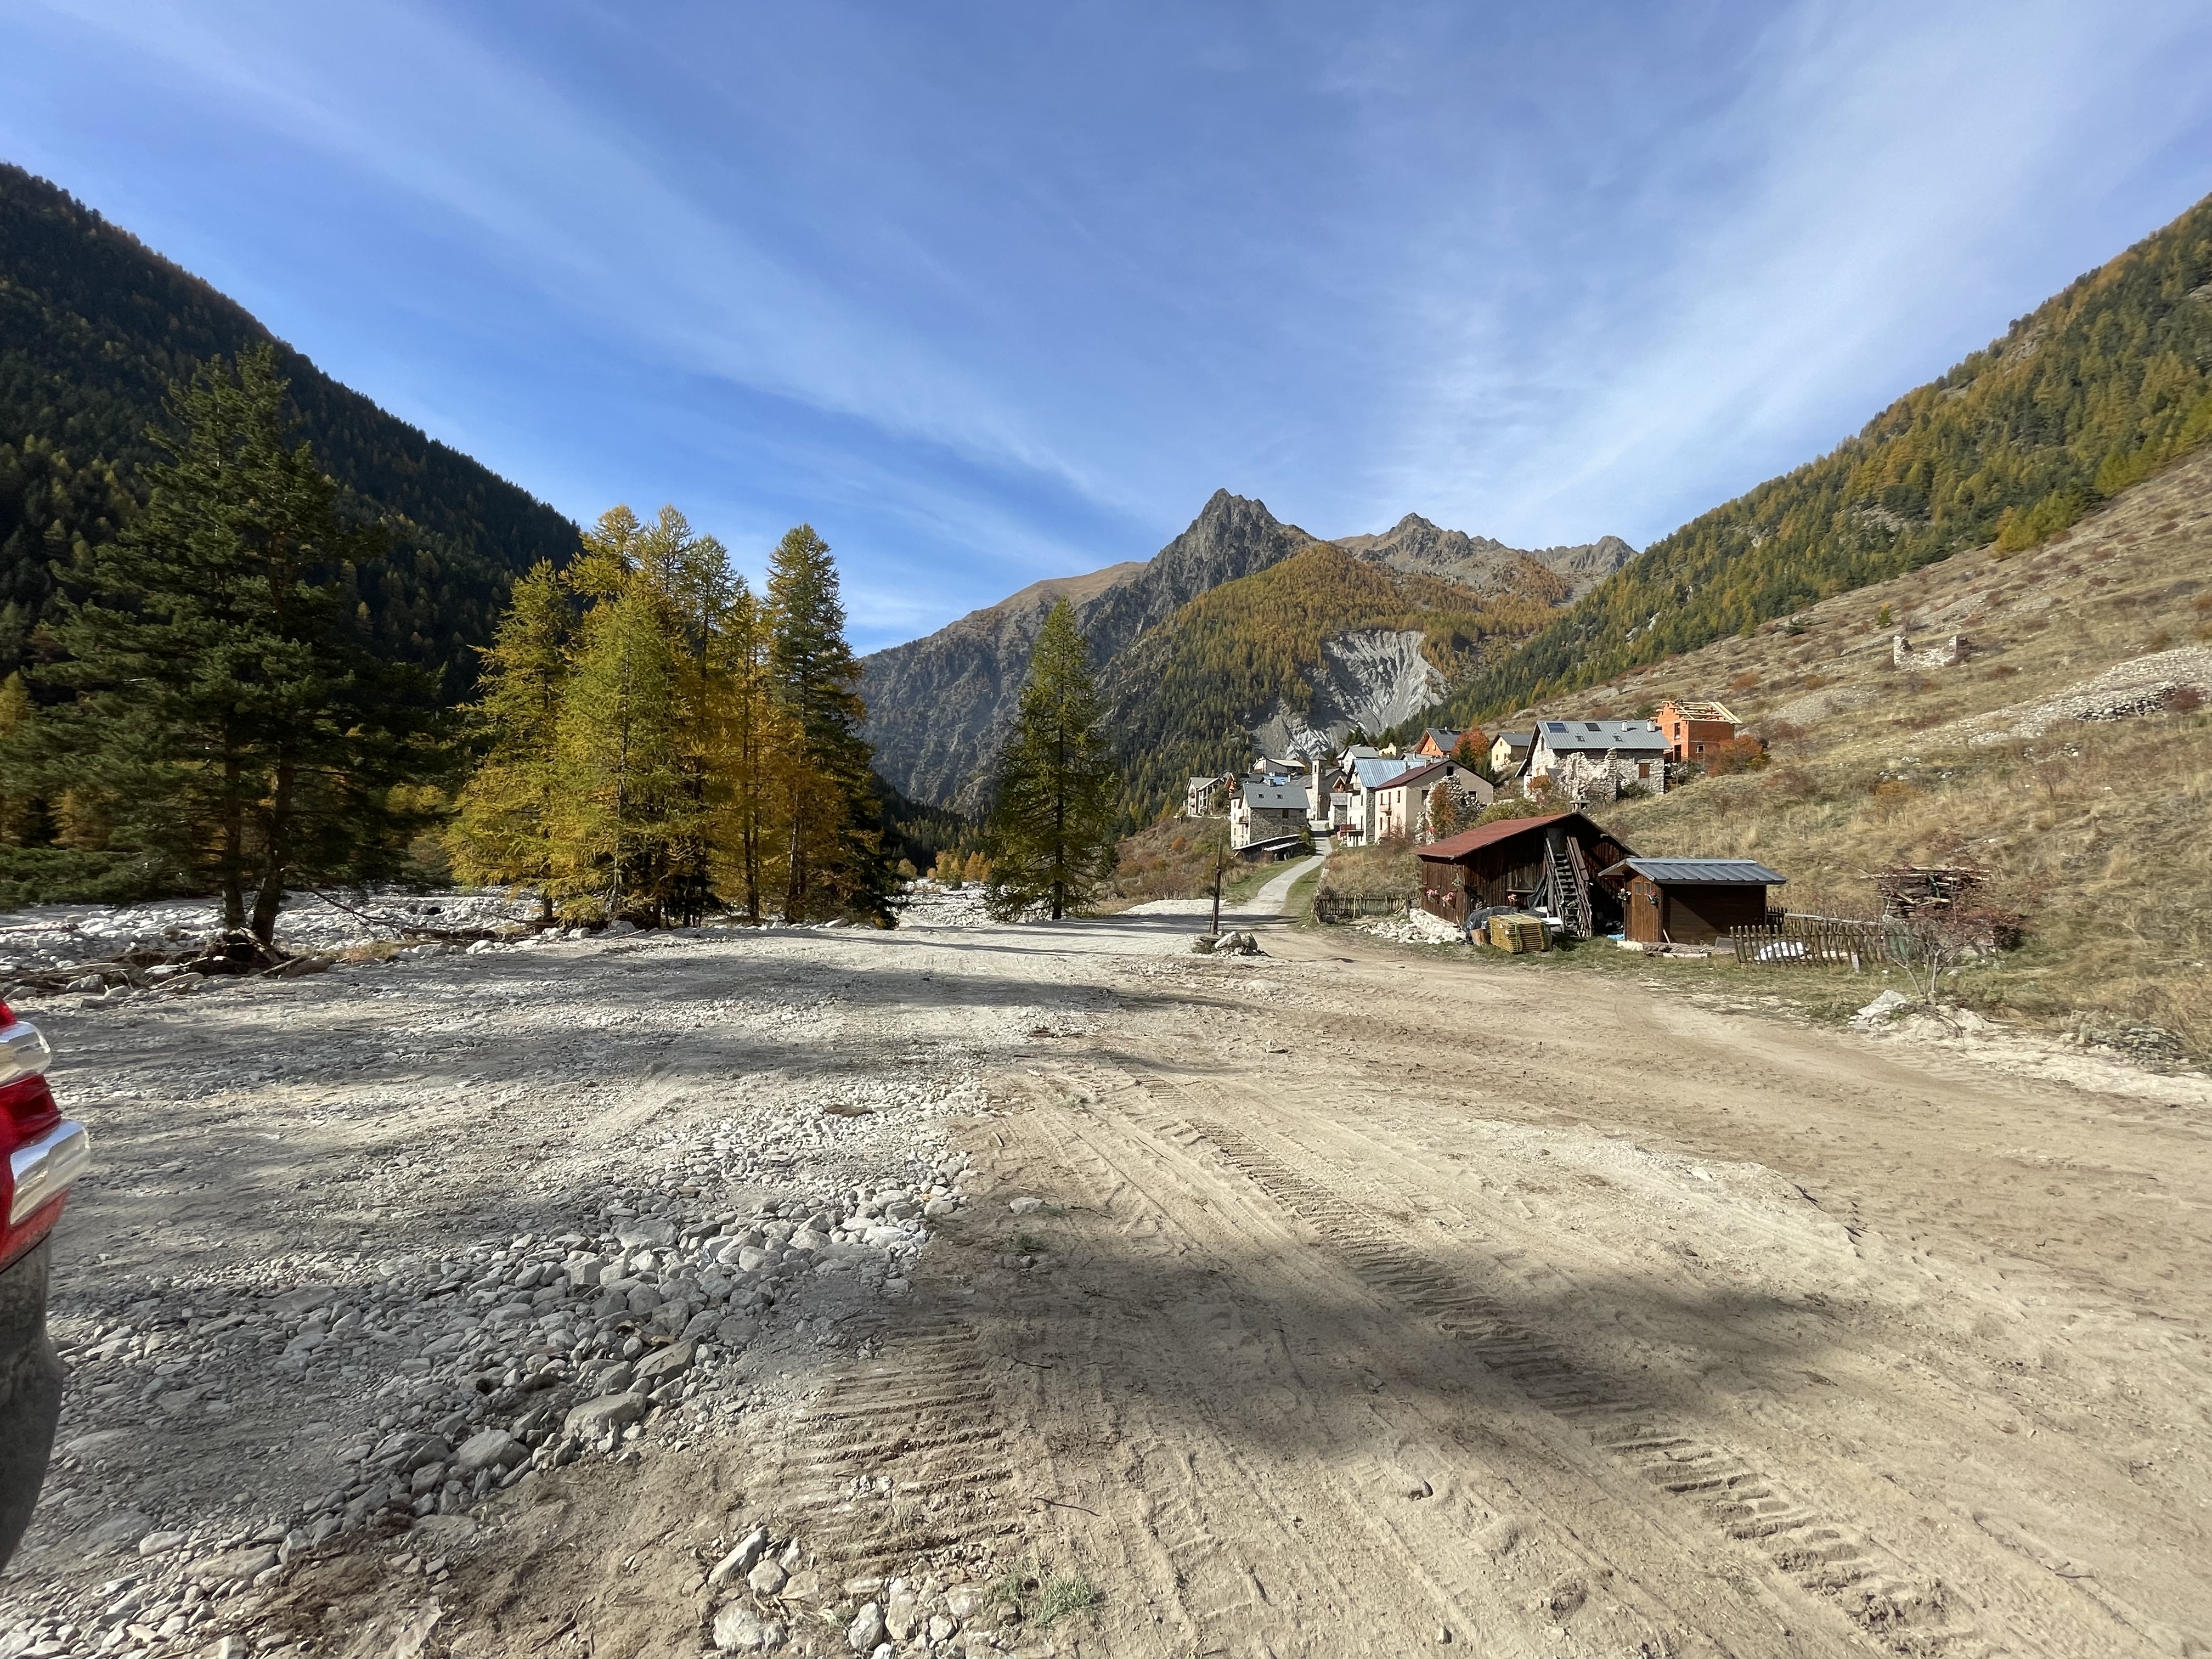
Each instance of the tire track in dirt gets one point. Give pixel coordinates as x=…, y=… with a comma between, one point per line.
x=1908, y=1613
x=901, y=1453
x=1241, y=1546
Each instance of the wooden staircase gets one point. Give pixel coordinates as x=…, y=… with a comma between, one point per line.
x=1566, y=888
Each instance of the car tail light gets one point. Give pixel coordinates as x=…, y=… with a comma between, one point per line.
x=44, y=1153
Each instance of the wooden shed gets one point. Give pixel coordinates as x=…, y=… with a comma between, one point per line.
x=1523, y=862
x=1691, y=901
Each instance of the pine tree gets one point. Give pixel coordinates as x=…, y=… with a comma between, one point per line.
x=833, y=854
x=753, y=736
x=18, y=737
x=617, y=743
x=227, y=720
x=504, y=832
x=1051, y=839
x=690, y=577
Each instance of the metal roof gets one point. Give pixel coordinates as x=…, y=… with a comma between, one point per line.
x=1382, y=769
x=1584, y=735
x=1711, y=872
x=1274, y=797
x=1421, y=773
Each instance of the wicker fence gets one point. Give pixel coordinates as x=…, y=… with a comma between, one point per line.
x=1822, y=941
x=1350, y=906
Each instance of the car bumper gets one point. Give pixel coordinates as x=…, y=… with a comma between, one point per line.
x=30, y=1391
x=43, y=1170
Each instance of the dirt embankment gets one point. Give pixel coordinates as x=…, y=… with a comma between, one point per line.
x=2068, y=750
x=1326, y=1302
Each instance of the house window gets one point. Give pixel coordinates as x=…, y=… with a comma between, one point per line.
x=1644, y=768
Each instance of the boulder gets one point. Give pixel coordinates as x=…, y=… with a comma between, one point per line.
x=489, y=1449
x=663, y=1363
x=607, y=1415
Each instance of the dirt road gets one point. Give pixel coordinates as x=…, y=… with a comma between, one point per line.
x=1367, y=1306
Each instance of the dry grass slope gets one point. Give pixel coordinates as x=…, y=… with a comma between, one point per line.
x=2095, y=830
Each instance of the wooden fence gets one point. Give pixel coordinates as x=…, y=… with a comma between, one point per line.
x=1821, y=941
x=1350, y=906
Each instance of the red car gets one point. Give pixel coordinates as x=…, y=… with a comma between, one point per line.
x=46, y=1152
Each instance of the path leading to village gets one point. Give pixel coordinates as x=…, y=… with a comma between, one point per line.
x=1329, y=1301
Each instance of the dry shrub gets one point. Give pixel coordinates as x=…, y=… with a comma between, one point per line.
x=1168, y=861
x=2183, y=700
x=1740, y=753
x=1388, y=870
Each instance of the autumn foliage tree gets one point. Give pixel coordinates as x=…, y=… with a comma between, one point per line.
x=659, y=742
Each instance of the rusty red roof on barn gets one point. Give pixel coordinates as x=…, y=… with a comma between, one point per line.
x=1452, y=849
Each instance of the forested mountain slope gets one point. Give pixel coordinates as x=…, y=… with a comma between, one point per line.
x=2086, y=395
x=935, y=704
x=1200, y=655
x=1323, y=638
x=93, y=327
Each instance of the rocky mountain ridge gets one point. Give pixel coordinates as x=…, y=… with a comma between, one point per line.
x=1482, y=562
x=935, y=704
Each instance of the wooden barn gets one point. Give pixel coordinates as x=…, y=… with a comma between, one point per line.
x=1522, y=863
x=1690, y=901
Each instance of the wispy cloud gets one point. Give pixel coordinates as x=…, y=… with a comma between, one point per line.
x=992, y=293
x=1799, y=256
x=574, y=205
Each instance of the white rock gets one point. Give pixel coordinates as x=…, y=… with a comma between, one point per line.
x=738, y=1629
x=866, y=1630
x=1884, y=1007
x=766, y=1577
x=740, y=1560
x=1023, y=1206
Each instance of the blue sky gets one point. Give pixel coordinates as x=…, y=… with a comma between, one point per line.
x=993, y=293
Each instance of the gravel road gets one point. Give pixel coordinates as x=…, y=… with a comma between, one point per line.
x=1052, y=1289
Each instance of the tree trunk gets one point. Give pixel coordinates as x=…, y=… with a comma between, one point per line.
x=233, y=847
x=275, y=856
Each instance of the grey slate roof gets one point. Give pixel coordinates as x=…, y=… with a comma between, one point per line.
x=1690, y=872
x=1265, y=797
x=1564, y=737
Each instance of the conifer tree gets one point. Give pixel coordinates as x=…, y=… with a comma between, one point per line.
x=18, y=739
x=754, y=737
x=618, y=748
x=1051, y=839
x=833, y=854
x=504, y=832
x=226, y=719
x=690, y=577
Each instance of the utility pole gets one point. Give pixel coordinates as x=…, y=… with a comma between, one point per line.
x=1220, y=842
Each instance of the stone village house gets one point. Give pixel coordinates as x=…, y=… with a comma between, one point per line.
x=1267, y=809
x=1593, y=760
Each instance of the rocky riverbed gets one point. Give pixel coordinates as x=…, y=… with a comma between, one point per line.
x=365, y=1253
